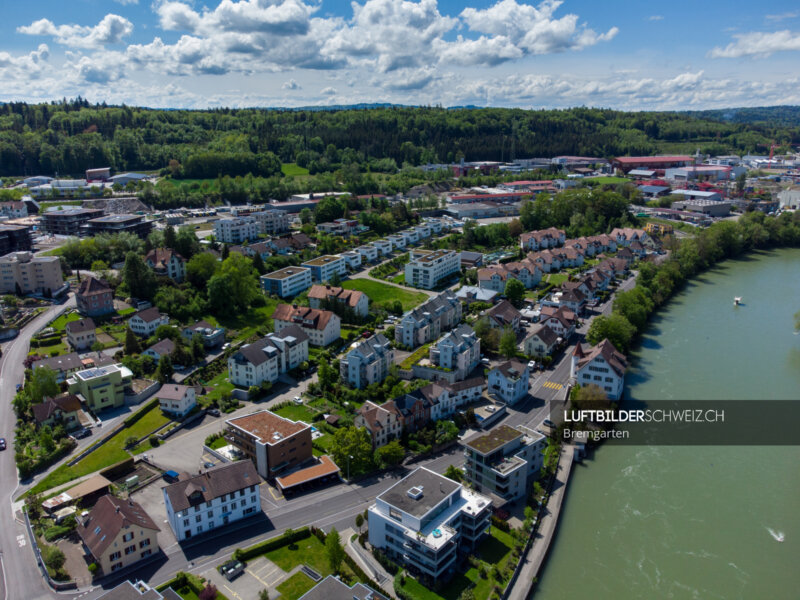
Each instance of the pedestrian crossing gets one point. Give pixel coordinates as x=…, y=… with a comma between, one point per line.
x=552, y=385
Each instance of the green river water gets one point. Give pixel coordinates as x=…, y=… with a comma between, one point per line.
x=695, y=522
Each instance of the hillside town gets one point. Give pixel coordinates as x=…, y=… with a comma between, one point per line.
x=335, y=395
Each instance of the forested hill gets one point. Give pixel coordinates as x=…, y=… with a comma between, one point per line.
x=780, y=116
x=68, y=137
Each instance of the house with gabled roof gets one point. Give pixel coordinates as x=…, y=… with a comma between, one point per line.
x=322, y=327
x=602, y=365
x=94, y=297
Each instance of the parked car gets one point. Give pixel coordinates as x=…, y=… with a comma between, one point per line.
x=82, y=433
x=208, y=465
x=549, y=423
x=297, y=400
x=213, y=412
x=2, y=443
x=532, y=365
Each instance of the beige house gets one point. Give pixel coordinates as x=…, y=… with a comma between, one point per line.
x=81, y=333
x=176, y=399
x=29, y=274
x=118, y=533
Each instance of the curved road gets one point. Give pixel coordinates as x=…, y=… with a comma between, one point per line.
x=21, y=577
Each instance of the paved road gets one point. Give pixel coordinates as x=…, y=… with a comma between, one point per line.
x=25, y=581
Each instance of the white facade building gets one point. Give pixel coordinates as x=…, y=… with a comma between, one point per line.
x=459, y=350
x=236, y=230
x=426, y=269
x=510, y=381
x=323, y=267
x=176, y=399
x=286, y=282
x=603, y=365
x=145, y=322
x=267, y=358
x=367, y=362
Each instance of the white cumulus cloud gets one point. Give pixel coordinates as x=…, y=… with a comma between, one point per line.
x=758, y=44
x=111, y=30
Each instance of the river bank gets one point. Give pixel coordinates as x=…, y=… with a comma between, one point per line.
x=691, y=522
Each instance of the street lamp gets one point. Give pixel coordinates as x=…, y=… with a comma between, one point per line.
x=348, y=466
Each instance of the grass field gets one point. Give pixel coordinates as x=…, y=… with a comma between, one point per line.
x=113, y=451
x=294, y=587
x=221, y=386
x=557, y=278
x=608, y=179
x=61, y=322
x=297, y=412
x=381, y=292
x=247, y=324
x=292, y=170
x=309, y=551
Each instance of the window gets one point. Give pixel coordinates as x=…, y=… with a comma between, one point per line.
x=144, y=543
x=147, y=552
x=116, y=566
x=199, y=529
x=130, y=549
x=210, y=514
x=198, y=518
x=114, y=556
x=233, y=505
x=186, y=522
x=127, y=537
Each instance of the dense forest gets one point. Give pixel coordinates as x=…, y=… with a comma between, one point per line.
x=67, y=137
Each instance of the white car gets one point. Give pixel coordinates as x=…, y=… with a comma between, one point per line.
x=532, y=365
x=297, y=400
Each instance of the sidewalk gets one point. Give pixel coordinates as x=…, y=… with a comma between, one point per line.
x=535, y=556
x=366, y=561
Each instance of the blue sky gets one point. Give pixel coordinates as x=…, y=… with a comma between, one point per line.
x=188, y=53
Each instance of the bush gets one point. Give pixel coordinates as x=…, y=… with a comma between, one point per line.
x=131, y=441
x=500, y=524
x=290, y=537
x=52, y=556
x=93, y=567
x=154, y=441
x=56, y=531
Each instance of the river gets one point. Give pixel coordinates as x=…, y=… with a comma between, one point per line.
x=695, y=522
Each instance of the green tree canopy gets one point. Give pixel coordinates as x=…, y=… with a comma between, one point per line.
x=355, y=442
x=138, y=278
x=200, y=268
x=234, y=287
x=43, y=383
x=515, y=292
x=616, y=328
x=508, y=343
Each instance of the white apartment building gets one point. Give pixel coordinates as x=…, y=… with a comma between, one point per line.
x=176, y=399
x=602, y=365
x=267, y=358
x=321, y=326
x=145, y=322
x=272, y=222
x=425, y=519
x=367, y=362
x=423, y=231
x=368, y=253
x=236, y=230
x=510, y=381
x=323, y=267
x=29, y=274
x=426, y=269
x=398, y=242
x=352, y=259
x=205, y=502
x=286, y=282
x=504, y=461
x=458, y=350
x=427, y=321
x=411, y=236
x=384, y=246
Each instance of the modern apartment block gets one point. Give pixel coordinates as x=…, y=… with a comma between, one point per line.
x=427, y=321
x=236, y=230
x=504, y=461
x=267, y=358
x=222, y=495
x=367, y=362
x=14, y=238
x=135, y=224
x=68, y=221
x=102, y=387
x=287, y=282
x=272, y=222
x=323, y=267
x=426, y=269
x=23, y=272
x=275, y=445
x=459, y=350
x=425, y=520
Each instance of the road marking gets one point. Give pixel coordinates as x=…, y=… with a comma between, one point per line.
x=232, y=592
x=271, y=491
x=552, y=385
x=21, y=541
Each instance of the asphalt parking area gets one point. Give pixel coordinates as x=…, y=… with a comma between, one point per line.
x=259, y=574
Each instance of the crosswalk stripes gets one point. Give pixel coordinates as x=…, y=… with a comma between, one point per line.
x=552, y=385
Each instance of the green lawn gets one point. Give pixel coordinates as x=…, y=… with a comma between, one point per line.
x=309, y=551
x=218, y=443
x=221, y=386
x=416, y=356
x=322, y=445
x=113, y=451
x=297, y=412
x=291, y=169
x=608, y=179
x=399, y=279
x=380, y=292
x=61, y=322
x=247, y=324
x=557, y=278
x=294, y=587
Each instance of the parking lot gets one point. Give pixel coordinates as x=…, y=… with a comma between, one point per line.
x=259, y=574
x=152, y=500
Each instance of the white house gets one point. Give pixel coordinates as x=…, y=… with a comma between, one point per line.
x=167, y=262
x=382, y=424
x=384, y=246
x=205, y=502
x=236, y=230
x=603, y=365
x=81, y=333
x=540, y=342
x=459, y=350
x=159, y=349
x=286, y=282
x=427, y=269
x=398, y=242
x=367, y=362
x=427, y=321
x=145, y=322
x=510, y=381
x=352, y=259
x=267, y=358
x=368, y=253
x=176, y=399
x=323, y=267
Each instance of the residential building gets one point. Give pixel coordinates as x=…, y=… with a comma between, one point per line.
x=212, y=335
x=275, y=445
x=458, y=350
x=68, y=221
x=425, y=520
x=94, y=297
x=502, y=315
x=602, y=365
x=382, y=424
x=385, y=246
x=423, y=231
x=332, y=588
x=541, y=342
x=118, y=533
x=367, y=362
x=14, y=210
x=321, y=326
x=287, y=282
x=561, y=320
x=510, y=381
x=411, y=236
x=145, y=322
x=136, y=224
x=269, y=357
x=396, y=242
x=263, y=249
x=368, y=253
x=81, y=333
x=101, y=387
x=167, y=262
x=470, y=294
x=427, y=269
x=236, y=230
x=205, y=502
x=323, y=267
x=504, y=462
x=541, y=239
x=177, y=400
x=63, y=365
x=163, y=348
x=272, y=222
x=129, y=590
x=22, y=272
x=427, y=321
x=573, y=299
x=343, y=227
x=326, y=296
x=471, y=260
x=496, y=277
x=64, y=409
x=352, y=259
x=15, y=238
